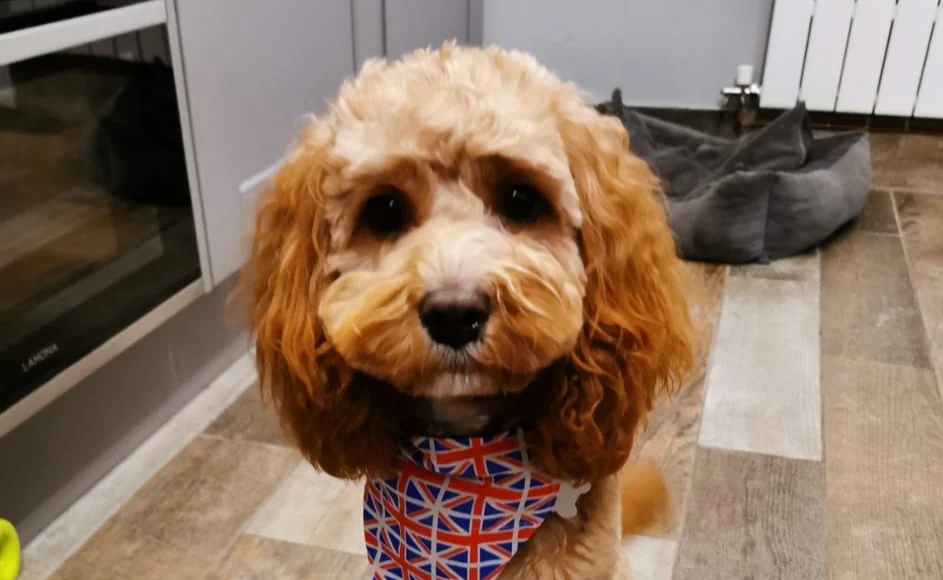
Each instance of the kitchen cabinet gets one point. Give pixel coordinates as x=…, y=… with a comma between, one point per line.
x=412, y=24
x=252, y=69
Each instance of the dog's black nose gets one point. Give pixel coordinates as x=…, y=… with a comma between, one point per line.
x=454, y=321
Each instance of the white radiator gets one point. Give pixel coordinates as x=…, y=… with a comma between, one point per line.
x=881, y=57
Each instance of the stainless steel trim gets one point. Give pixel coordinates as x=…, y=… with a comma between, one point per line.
x=84, y=367
x=39, y=40
x=189, y=147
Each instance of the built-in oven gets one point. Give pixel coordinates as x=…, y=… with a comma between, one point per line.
x=97, y=226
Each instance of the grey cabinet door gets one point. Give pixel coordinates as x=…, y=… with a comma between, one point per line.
x=369, y=34
x=253, y=68
x=412, y=24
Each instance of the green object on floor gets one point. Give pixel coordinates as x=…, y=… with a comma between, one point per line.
x=9, y=551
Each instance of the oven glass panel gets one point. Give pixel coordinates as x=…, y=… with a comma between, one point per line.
x=96, y=225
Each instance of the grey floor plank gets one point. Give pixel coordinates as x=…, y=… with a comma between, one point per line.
x=763, y=382
x=869, y=311
x=184, y=518
x=753, y=516
x=921, y=221
x=910, y=161
x=802, y=267
x=249, y=419
x=670, y=435
x=878, y=214
x=255, y=558
x=883, y=419
x=884, y=471
x=313, y=508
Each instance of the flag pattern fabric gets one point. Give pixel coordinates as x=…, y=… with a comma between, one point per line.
x=457, y=509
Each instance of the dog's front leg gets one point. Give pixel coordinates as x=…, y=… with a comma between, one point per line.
x=586, y=547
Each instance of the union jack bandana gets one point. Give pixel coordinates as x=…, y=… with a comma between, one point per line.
x=459, y=508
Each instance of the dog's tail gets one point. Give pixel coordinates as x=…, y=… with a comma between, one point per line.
x=645, y=497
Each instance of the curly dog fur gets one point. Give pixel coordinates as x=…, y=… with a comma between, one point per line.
x=587, y=317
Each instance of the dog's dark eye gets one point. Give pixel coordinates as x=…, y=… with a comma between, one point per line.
x=386, y=213
x=522, y=204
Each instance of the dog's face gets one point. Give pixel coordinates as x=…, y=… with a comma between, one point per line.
x=453, y=261
x=458, y=226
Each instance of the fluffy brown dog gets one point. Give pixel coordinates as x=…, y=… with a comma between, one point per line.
x=462, y=246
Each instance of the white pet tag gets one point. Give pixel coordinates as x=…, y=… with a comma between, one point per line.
x=566, y=501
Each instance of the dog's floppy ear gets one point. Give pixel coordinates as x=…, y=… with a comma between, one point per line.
x=636, y=337
x=321, y=402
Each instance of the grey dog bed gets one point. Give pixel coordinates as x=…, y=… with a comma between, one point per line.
x=770, y=194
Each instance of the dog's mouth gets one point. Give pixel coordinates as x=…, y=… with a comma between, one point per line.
x=473, y=404
x=458, y=362
x=456, y=374
x=473, y=382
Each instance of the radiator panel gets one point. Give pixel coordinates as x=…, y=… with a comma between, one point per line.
x=864, y=60
x=785, y=53
x=856, y=56
x=825, y=53
x=930, y=98
x=906, y=53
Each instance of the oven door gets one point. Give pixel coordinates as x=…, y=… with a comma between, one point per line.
x=96, y=221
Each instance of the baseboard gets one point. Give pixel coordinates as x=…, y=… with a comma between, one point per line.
x=55, y=457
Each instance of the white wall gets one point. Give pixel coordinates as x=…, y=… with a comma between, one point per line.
x=664, y=53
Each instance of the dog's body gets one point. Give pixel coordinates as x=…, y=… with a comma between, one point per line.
x=461, y=247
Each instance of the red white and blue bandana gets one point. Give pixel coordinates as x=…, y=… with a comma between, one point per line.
x=459, y=508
